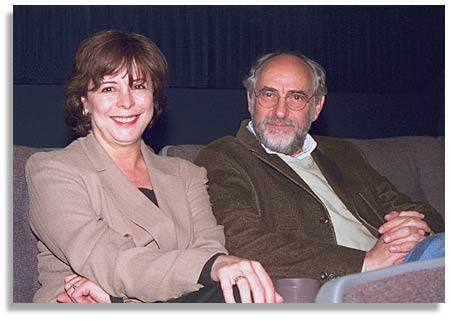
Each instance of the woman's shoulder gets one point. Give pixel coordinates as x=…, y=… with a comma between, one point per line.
x=70, y=155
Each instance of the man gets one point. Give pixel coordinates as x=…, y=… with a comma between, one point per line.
x=303, y=206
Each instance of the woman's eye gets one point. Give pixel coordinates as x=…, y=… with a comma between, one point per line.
x=107, y=89
x=140, y=86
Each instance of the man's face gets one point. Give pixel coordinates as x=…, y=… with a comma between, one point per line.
x=279, y=128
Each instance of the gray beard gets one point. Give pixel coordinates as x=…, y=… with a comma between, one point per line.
x=286, y=146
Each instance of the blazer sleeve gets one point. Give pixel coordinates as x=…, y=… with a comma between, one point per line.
x=237, y=206
x=62, y=216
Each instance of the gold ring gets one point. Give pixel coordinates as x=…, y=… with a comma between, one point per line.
x=239, y=277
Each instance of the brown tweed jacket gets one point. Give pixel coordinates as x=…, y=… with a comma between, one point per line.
x=271, y=215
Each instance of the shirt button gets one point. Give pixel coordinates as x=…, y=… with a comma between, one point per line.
x=128, y=236
x=323, y=219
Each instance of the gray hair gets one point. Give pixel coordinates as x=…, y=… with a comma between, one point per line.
x=318, y=72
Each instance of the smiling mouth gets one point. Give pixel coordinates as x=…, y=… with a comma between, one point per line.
x=125, y=120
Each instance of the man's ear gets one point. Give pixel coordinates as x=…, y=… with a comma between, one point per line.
x=249, y=101
x=319, y=107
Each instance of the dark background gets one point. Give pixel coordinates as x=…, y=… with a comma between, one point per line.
x=385, y=65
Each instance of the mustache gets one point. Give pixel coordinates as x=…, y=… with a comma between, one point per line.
x=278, y=121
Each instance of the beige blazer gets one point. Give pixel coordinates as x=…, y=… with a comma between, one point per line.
x=91, y=220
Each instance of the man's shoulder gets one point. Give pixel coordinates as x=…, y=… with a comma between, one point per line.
x=227, y=147
x=334, y=143
x=340, y=150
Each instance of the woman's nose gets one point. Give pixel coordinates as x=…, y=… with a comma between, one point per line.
x=125, y=99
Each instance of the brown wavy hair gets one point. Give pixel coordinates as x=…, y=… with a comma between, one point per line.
x=106, y=53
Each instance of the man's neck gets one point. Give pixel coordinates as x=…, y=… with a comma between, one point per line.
x=308, y=147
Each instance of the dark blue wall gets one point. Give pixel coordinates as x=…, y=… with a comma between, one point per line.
x=385, y=65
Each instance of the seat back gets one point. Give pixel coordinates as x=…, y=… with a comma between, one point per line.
x=25, y=272
x=415, y=165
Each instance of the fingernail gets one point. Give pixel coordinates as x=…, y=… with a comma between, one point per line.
x=392, y=248
x=387, y=239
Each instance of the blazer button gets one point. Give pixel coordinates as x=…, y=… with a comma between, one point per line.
x=331, y=276
x=324, y=276
x=323, y=219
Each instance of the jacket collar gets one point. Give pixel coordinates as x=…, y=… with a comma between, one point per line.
x=246, y=138
x=327, y=166
x=162, y=222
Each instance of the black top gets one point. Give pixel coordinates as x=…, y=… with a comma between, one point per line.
x=150, y=194
x=204, y=277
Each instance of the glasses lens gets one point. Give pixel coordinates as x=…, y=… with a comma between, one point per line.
x=297, y=101
x=267, y=98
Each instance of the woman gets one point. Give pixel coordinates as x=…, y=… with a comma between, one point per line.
x=135, y=225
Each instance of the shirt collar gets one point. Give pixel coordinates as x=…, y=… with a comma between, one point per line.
x=307, y=149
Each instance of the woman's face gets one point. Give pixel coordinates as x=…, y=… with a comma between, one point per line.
x=120, y=113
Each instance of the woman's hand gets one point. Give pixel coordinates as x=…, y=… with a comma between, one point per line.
x=250, y=277
x=81, y=290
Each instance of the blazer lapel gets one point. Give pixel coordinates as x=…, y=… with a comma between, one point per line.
x=327, y=167
x=250, y=141
x=170, y=192
x=128, y=199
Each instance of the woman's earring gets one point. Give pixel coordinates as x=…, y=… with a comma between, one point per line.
x=84, y=112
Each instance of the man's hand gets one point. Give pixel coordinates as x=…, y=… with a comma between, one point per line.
x=81, y=290
x=380, y=256
x=404, y=230
x=400, y=234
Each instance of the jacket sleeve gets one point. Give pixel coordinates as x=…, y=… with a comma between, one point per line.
x=384, y=195
x=250, y=233
x=63, y=217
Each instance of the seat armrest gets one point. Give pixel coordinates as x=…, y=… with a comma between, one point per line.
x=422, y=281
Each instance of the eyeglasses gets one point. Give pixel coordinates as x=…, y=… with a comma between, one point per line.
x=295, y=101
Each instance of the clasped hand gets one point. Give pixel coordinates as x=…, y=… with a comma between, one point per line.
x=401, y=232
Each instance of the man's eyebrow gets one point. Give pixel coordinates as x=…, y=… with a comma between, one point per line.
x=266, y=88
x=301, y=92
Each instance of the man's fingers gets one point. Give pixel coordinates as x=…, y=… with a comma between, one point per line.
x=411, y=214
x=402, y=221
x=405, y=247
